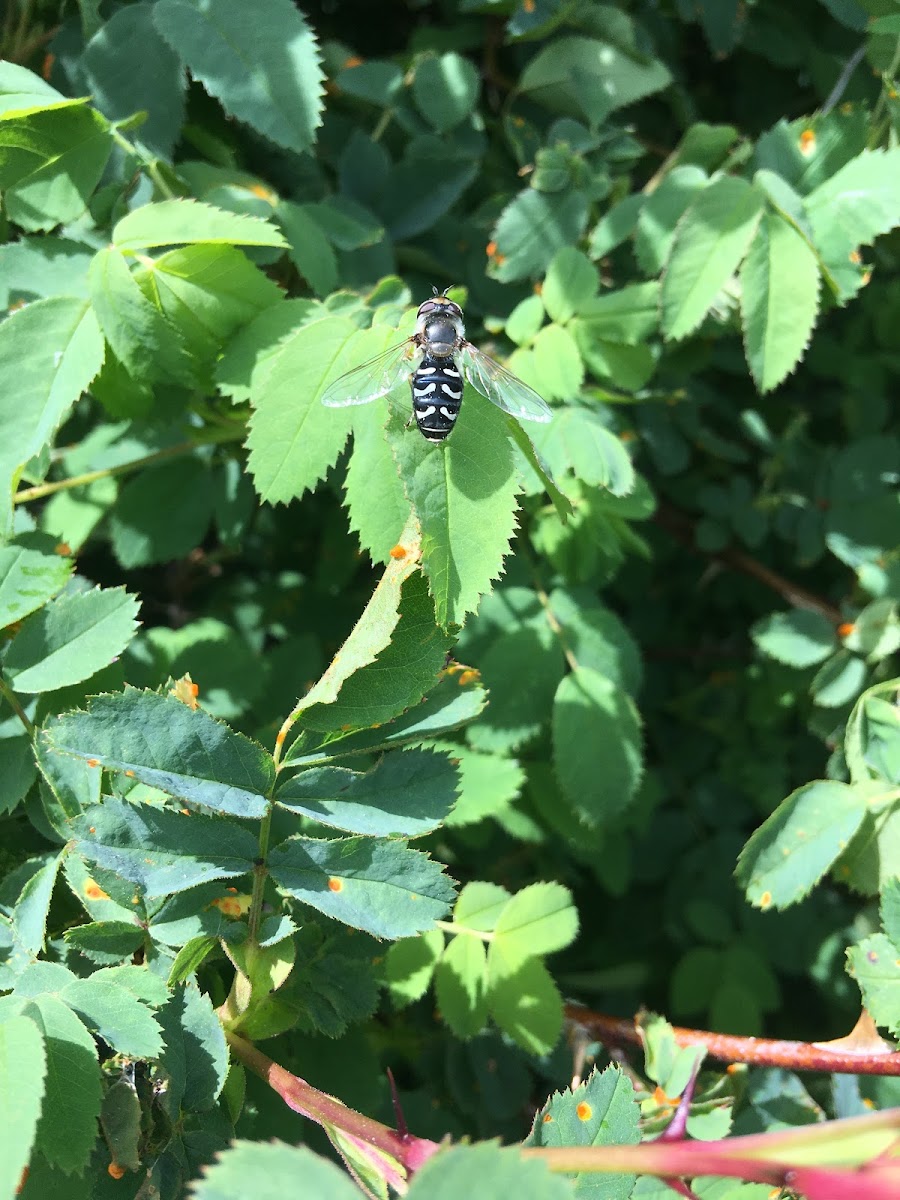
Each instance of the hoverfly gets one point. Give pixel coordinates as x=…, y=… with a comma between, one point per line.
x=431, y=361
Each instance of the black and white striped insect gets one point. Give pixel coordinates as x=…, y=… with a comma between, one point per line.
x=433, y=361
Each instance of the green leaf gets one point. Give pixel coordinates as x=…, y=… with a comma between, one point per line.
x=406, y=794
x=445, y=89
x=120, y=1019
x=538, y=920
x=346, y=224
x=49, y=353
x=463, y=493
x=36, y=267
x=409, y=965
x=577, y=442
x=390, y=661
x=50, y=163
x=18, y=771
x=141, y=338
x=525, y=320
x=711, y=240
x=661, y=213
x=484, y=1170
x=779, y=300
x=159, y=741
x=794, y=847
x=558, y=368
x=22, y=92
x=488, y=784
x=571, y=281
x=67, y=1129
x=617, y=223
x=602, y=1111
x=196, y=1053
x=425, y=186
x=525, y=1003
x=460, y=986
x=448, y=707
x=33, y=904
x=207, y=293
x=629, y=315
x=120, y=1120
x=275, y=1169
x=309, y=248
x=128, y=67
x=875, y=964
x=376, y=501
x=173, y=222
x=379, y=886
x=106, y=942
x=587, y=77
x=799, y=638
x=852, y=208
x=162, y=514
x=839, y=680
x=259, y=344
x=596, y=637
x=294, y=438
x=23, y=1069
x=532, y=228
x=161, y=851
x=70, y=639
x=266, y=72
x=890, y=909
x=596, y=745
x=31, y=573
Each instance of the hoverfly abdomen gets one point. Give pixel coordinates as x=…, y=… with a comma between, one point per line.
x=437, y=389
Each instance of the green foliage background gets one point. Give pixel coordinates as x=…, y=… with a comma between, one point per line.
x=639, y=663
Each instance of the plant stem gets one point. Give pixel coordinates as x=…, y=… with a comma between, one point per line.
x=61, y=485
x=732, y=1048
x=260, y=872
x=13, y=700
x=552, y=621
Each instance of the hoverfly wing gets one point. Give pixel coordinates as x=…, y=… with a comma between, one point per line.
x=502, y=387
x=375, y=378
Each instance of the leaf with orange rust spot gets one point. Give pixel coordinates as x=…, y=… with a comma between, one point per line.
x=386, y=888
x=602, y=1111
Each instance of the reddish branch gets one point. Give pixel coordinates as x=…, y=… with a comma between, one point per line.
x=682, y=527
x=757, y=1052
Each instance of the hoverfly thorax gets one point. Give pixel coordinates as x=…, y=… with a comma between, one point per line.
x=440, y=325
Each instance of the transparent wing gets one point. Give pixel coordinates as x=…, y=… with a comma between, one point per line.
x=502, y=387
x=375, y=378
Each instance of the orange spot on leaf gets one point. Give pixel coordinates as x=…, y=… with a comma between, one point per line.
x=845, y=629
x=765, y=900
x=584, y=1112
x=94, y=891
x=547, y=1119
x=186, y=691
x=398, y=552
x=335, y=885
x=353, y=61
x=63, y=549
x=116, y=1170
x=470, y=675
x=93, y=762
x=807, y=142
